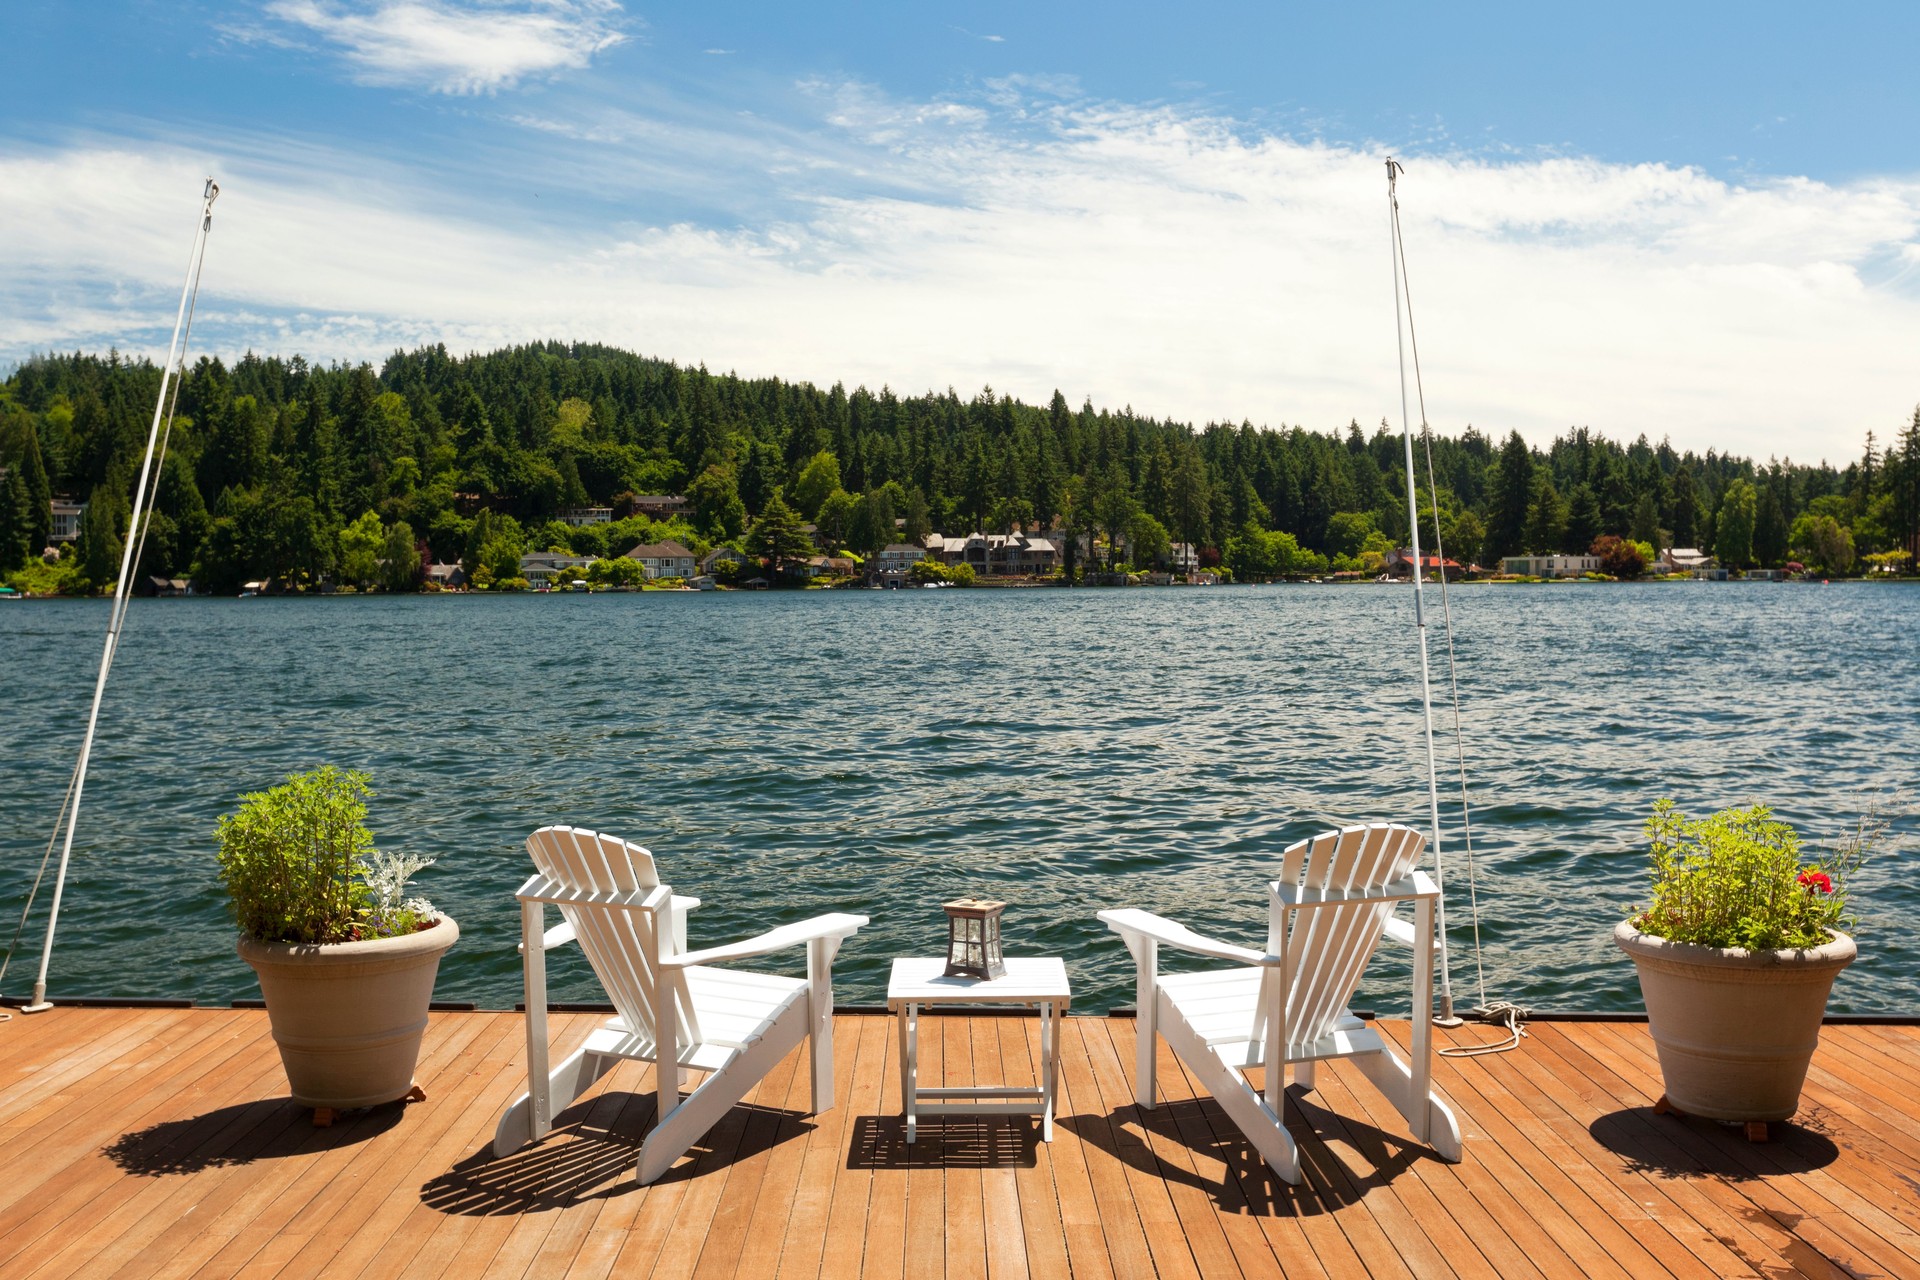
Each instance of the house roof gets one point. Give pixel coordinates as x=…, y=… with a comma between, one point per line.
x=893, y=548
x=668, y=550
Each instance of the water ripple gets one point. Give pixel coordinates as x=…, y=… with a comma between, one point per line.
x=787, y=754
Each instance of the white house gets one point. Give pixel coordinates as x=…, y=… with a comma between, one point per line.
x=579, y=517
x=663, y=559
x=1550, y=566
x=66, y=520
x=899, y=556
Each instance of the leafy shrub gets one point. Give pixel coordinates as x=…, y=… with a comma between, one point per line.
x=1619, y=557
x=1736, y=879
x=299, y=865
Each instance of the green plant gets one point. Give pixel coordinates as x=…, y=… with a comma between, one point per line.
x=1736, y=879
x=290, y=857
x=299, y=864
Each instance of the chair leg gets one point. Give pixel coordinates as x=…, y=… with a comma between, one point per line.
x=1394, y=1079
x=565, y=1083
x=1303, y=1074
x=1262, y=1126
x=682, y=1126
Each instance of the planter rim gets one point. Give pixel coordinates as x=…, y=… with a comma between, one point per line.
x=439, y=936
x=1837, y=952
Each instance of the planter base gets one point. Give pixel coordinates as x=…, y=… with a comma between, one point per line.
x=323, y=1117
x=1757, y=1130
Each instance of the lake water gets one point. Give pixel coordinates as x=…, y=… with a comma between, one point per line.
x=789, y=753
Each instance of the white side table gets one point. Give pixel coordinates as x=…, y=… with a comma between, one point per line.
x=1037, y=981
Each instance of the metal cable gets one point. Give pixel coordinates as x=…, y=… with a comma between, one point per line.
x=1499, y=1012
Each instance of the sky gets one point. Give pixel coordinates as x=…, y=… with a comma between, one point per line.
x=1697, y=222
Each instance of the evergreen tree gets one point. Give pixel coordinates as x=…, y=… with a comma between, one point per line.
x=1512, y=494
x=38, y=517
x=16, y=521
x=1686, y=508
x=1546, y=515
x=102, y=536
x=1583, y=520
x=918, y=523
x=776, y=536
x=1733, y=525
x=1646, y=521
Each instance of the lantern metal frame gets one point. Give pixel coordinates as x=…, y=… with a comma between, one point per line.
x=974, y=944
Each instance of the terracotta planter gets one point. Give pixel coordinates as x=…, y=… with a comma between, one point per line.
x=348, y=1016
x=1735, y=1029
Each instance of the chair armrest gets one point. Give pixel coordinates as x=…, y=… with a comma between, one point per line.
x=1415, y=885
x=1401, y=931
x=1130, y=920
x=558, y=936
x=836, y=925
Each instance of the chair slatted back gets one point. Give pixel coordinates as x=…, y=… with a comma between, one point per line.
x=619, y=942
x=1330, y=946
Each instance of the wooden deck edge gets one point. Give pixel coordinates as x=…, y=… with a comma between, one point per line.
x=881, y=1010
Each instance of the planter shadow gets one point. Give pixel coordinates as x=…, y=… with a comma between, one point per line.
x=239, y=1135
x=1677, y=1146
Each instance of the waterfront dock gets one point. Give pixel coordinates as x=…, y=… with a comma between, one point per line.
x=151, y=1142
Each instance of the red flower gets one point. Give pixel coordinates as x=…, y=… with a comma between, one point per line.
x=1816, y=880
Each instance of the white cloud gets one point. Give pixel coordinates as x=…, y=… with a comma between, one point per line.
x=455, y=48
x=1167, y=260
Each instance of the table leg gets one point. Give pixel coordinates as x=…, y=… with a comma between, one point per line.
x=910, y=1066
x=1049, y=1066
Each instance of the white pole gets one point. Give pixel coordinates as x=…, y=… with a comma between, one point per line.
x=71, y=814
x=1446, y=1017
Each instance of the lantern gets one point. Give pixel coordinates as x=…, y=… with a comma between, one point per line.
x=973, y=939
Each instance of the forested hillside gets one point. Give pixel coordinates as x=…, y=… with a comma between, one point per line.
x=278, y=469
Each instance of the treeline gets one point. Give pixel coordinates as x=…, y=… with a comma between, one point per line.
x=277, y=469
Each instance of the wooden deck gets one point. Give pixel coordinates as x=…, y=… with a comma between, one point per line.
x=159, y=1142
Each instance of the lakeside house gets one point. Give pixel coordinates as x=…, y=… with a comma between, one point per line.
x=659, y=506
x=1003, y=554
x=67, y=515
x=1399, y=564
x=715, y=559
x=1554, y=566
x=1684, y=560
x=542, y=567
x=447, y=576
x=580, y=517
x=663, y=559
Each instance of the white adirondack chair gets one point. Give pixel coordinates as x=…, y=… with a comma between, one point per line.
x=672, y=1007
x=1288, y=1004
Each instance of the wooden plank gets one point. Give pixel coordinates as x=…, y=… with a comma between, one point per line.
x=245, y=1187
x=1810, y=1202
x=1157, y=1161
x=853, y=1231
x=965, y=1144
x=262, y=1192
x=1135, y=1252
x=824, y=1154
x=48, y=1182
x=924, y=1247
x=1264, y=1242
x=1714, y=1203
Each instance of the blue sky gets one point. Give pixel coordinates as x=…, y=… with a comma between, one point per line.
x=1694, y=221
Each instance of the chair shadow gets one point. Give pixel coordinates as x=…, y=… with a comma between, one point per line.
x=1678, y=1146
x=1250, y=1186
x=241, y=1134
x=586, y=1159
x=945, y=1142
